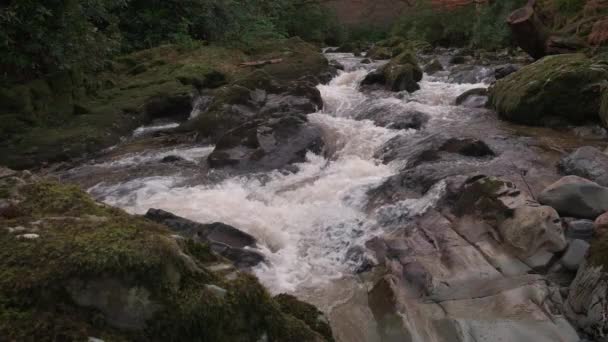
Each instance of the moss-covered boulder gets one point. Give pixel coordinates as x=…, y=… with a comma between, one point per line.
x=566, y=88
x=72, y=268
x=401, y=73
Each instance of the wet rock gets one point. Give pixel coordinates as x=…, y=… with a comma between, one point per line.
x=266, y=144
x=469, y=147
x=6, y=172
x=531, y=228
x=366, y=61
x=225, y=240
x=175, y=106
x=580, y=229
x=576, y=197
x=401, y=73
x=395, y=117
x=309, y=314
x=505, y=70
x=473, y=98
x=336, y=65
x=575, y=254
x=600, y=225
x=568, y=87
x=458, y=59
x=209, y=80
x=587, y=162
x=433, y=67
x=380, y=53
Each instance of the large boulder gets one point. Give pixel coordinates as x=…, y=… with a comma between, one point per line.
x=266, y=144
x=587, y=162
x=563, y=87
x=576, y=197
x=401, y=73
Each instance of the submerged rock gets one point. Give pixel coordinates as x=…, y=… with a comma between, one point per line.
x=587, y=162
x=473, y=98
x=576, y=197
x=433, y=67
x=567, y=87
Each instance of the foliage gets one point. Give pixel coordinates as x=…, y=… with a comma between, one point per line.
x=568, y=7
x=461, y=26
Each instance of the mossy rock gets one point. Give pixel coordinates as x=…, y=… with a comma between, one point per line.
x=380, y=52
x=567, y=87
x=307, y=313
x=71, y=268
x=403, y=73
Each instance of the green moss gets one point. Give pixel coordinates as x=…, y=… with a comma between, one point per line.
x=563, y=86
x=307, y=313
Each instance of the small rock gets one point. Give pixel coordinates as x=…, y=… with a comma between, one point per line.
x=17, y=229
x=366, y=61
x=433, y=67
x=580, y=229
x=473, y=98
x=600, y=225
x=216, y=290
x=28, y=236
x=575, y=254
x=505, y=70
x=577, y=197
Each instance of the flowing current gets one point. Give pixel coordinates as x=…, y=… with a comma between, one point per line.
x=309, y=222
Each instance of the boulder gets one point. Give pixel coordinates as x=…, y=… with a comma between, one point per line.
x=567, y=87
x=531, y=228
x=575, y=254
x=576, y=197
x=473, y=98
x=380, y=53
x=266, y=144
x=394, y=116
x=587, y=162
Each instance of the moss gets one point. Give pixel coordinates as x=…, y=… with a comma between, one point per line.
x=83, y=240
x=563, y=86
x=308, y=313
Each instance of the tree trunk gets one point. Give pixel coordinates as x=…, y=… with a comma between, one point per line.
x=529, y=32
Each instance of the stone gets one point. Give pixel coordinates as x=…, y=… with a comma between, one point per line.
x=469, y=147
x=567, y=87
x=366, y=61
x=587, y=162
x=533, y=227
x=433, y=67
x=172, y=159
x=575, y=254
x=458, y=59
x=473, y=98
x=394, y=116
x=600, y=225
x=576, y=197
x=580, y=229
x=216, y=290
x=6, y=172
x=540, y=261
x=505, y=70
x=401, y=73
x=587, y=298
x=28, y=236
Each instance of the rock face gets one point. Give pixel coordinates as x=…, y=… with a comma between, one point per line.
x=586, y=162
x=576, y=197
x=562, y=87
x=267, y=144
x=120, y=277
x=401, y=73
x=588, y=298
x=223, y=239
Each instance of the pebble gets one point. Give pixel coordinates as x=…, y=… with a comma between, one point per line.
x=28, y=236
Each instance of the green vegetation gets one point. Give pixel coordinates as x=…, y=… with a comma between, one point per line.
x=465, y=26
x=90, y=261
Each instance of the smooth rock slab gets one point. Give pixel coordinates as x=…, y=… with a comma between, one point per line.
x=577, y=197
x=587, y=162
